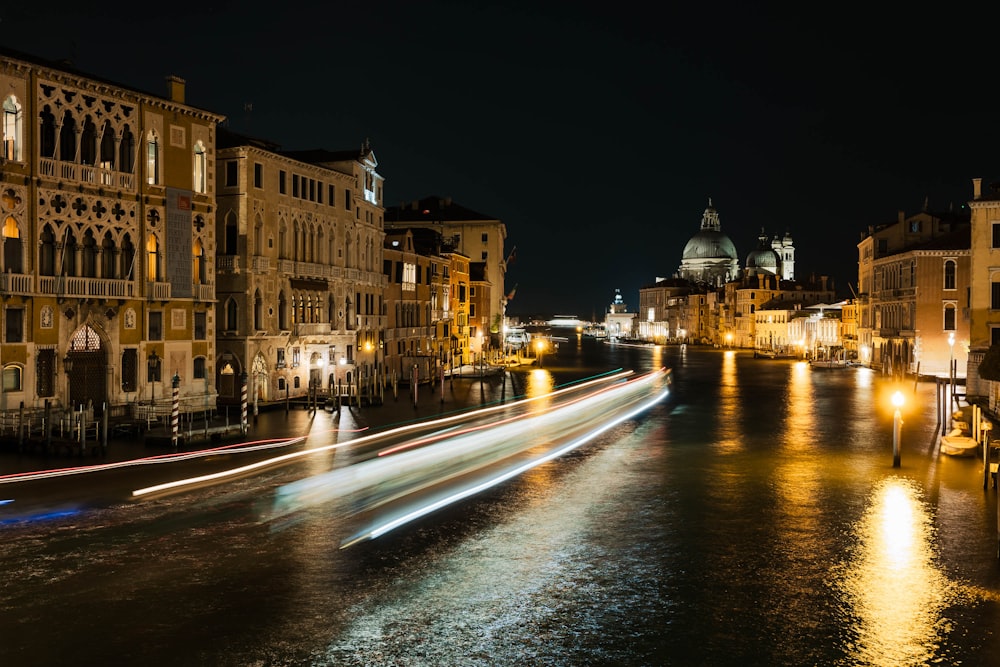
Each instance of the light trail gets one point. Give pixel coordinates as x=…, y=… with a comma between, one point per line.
x=237, y=448
x=382, y=529
x=376, y=482
x=191, y=481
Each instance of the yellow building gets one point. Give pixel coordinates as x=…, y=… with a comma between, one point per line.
x=913, y=276
x=300, y=302
x=984, y=326
x=109, y=241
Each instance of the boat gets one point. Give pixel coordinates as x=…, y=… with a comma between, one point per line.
x=958, y=443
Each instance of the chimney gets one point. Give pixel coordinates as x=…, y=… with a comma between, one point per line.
x=977, y=188
x=175, y=89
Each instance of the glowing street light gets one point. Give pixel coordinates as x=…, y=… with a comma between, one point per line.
x=951, y=367
x=897, y=423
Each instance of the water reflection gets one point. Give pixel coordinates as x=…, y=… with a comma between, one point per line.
x=800, y=428
x=892, y=587
x=730, y=413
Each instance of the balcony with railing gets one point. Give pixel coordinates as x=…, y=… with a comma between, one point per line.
x=88, y=287
x=16, y=283
x=227, y=263
x=83, y=173
x=158, y=291
x=204, y=292
x=311, y=328
x=260, y=264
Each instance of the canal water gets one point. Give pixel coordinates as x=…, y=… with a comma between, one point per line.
x=752, y=518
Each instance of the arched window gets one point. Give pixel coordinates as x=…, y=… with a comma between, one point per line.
x=13, y=132
x=12, y=262
x=107, y=153
x=152, y=158
x=12, y=378
x=47, y=136
x=258, y=237
x=199, y=368
x=89, y=255
x=88, y=142
x=47, y=253
x=198, y=268
x=282, y=312
x=232, y=235
x=231, y=315
x=152, y=259
x=126, y=151
x=67, y=139
x=949, y=317
x=68, y=267
x=200, y=175
x=108, y=257
x=258, y=311
x=128, y=258
x=949, y=274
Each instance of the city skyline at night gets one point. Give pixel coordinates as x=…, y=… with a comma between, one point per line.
x=595, y=135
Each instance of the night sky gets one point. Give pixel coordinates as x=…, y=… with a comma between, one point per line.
x=596, y=132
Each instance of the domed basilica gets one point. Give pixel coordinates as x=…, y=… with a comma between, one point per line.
x=710, y=257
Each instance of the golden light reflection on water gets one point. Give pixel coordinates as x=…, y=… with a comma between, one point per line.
x=893, y=587
x=730, y=412
x=800, y=425
x=540, y=383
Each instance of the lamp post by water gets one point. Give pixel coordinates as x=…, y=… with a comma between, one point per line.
x=897, y=423
x=951, y=369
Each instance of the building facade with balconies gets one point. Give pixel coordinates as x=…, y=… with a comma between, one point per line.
x=108, y=218
x=300, y=280
x=479, y=237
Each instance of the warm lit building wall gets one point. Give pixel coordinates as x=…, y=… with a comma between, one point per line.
x=300, y=277
x=984, y=325
x=109, y=240
x=480, y=237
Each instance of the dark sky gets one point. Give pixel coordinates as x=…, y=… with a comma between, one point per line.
x=596, y=132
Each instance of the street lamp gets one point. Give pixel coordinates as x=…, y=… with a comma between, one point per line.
x=897, y=423
x=539, y=347
x=68, y=368
x=153, y=374
x=951, y=368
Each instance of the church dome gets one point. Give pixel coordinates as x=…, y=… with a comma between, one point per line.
x=763, y=258
x=709, y=244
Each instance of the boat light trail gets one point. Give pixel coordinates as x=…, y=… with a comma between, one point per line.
x=384, y=528
x=469, y=453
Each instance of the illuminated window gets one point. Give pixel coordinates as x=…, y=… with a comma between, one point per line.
x=200, y=168
x=949, y=274
x=13, y=137
x=12, y=262
x=152, y=158
x=153, y=259
x=12, y=378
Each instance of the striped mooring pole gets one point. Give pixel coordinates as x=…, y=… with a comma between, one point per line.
x=175, y=410
x=243, y=403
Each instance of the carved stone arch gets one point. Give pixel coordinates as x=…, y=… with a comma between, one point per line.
x=87, y=352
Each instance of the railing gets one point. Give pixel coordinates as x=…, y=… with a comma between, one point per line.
x=312, y=328
x=205, y=292
x=227, y=263
x=76, y=286
x=17, y=283
x=158, y=291
x=82, y=173
x=260, y=264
